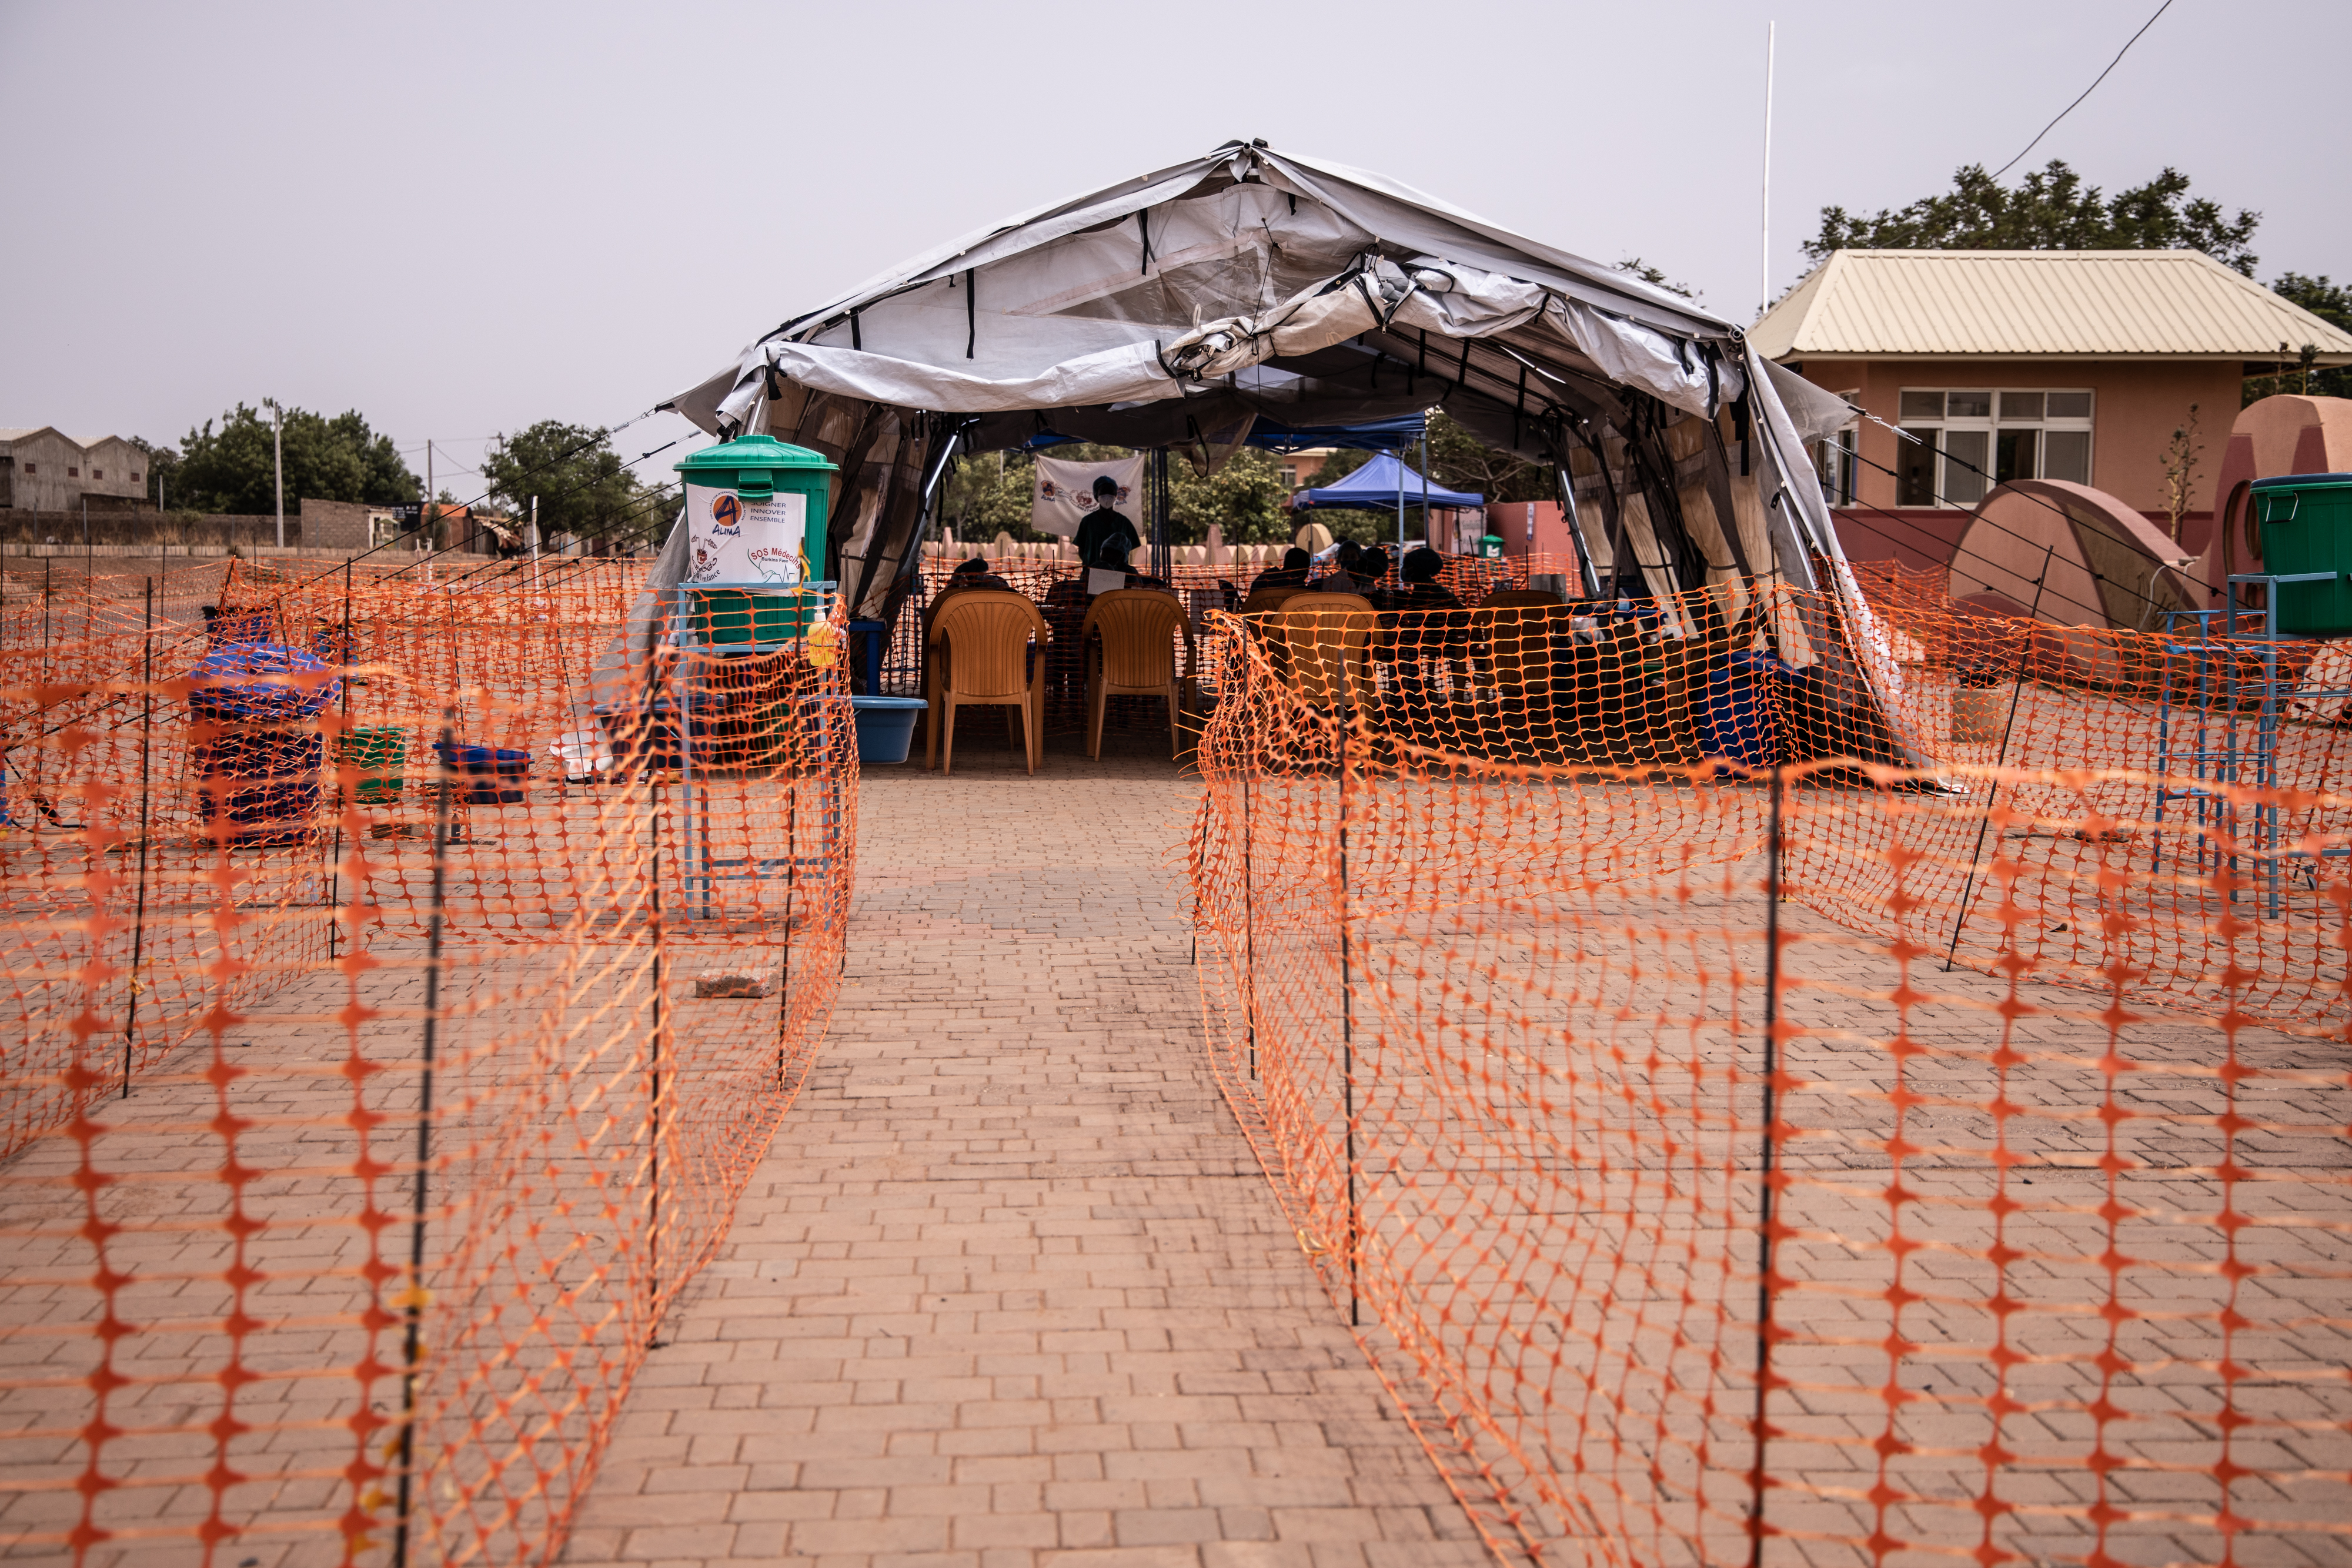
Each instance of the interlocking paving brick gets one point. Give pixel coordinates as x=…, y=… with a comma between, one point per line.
x=1009, y=1290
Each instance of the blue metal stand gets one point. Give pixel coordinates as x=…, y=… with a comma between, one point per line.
x=2238, y=674
x=700, y=871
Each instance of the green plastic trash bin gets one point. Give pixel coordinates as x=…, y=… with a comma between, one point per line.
x=1490, y=547
x=2307, y=521
x=377, y=755
x=755, y=517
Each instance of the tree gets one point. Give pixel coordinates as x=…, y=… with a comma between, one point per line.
x=1243, y=498
x=2332, y=303
x=1460, y=461
x=992, y=494
x=584, y=489
x=338, y=459
x=2183, y=456
x=163, y=485
x=2050, y=209
x=1655, y=276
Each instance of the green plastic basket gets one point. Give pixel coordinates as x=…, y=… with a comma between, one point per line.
x=377, y=754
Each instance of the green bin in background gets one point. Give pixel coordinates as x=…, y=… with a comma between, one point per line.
x=2306, y=522
x=378, y=755
x=740, y=588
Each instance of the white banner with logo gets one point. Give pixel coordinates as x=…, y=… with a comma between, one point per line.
x=1065, y=492
x=731, y=538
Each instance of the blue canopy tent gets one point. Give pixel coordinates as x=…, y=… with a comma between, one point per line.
x=1382, y=483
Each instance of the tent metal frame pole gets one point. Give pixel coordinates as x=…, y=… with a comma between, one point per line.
x=1400, y=483
x=1425, y=485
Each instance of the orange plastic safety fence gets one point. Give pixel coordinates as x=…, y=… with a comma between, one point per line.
x=407, y=976
x=1751, y=1119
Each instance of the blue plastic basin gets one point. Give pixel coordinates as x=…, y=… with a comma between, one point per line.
x=885, y=727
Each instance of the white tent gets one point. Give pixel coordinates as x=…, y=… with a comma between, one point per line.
x=1173, y=310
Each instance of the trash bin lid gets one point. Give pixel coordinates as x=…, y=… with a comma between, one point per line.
x=751, y=461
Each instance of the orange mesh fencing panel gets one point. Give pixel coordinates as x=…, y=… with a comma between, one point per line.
x=1752, y=1120
x=405, y=977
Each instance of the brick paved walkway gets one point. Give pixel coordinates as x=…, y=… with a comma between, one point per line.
x=1009, y=1289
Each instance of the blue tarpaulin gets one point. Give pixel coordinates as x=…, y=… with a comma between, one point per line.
x=1374, y=436
x=1374, y=487
x=261, y=681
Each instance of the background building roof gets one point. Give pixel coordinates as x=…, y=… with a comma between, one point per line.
x=2091, y=304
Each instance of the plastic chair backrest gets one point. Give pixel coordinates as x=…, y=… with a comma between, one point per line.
x=1329, y=638
x=1517, y=598
x=1266, y=600
x=1138, y=627
x=987, y=634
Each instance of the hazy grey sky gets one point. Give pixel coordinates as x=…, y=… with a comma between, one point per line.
x=460, y=219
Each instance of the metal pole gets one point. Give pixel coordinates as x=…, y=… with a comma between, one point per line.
x=342, y=739
x=138, y=920
x=2001, y=758
x=1424, y=484
x=1347, y=1003
x=413, y=1346
x=1764, y=1191
x=654, y=1066
x=1764, y=257
x=432, y=507
x=1249, y=920
x=278, y=464
x=793, y=765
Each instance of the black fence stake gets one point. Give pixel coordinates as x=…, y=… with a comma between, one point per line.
x=413, y=1346
x=2000, y=759
x=1348, y=1017
x=1764, y=1205
x=139, y=920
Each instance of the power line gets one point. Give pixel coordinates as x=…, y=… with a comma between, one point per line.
x=601, y=437
x=2086, y=92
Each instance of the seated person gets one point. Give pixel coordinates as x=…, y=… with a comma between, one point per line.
x=1374, y=574
x=1440, y=627
x=1104, y=527
x=1421, y=588
x=974, y=573
x=1291, y=573
x=1066, y=593
x=1343, y=578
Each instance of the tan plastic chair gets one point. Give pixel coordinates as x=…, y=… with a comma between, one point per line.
x=1268, y=598
x=1137, y=655
x=1326, y=641
x=980, y=658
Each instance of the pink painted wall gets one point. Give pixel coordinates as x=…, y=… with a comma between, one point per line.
x=2135, y=405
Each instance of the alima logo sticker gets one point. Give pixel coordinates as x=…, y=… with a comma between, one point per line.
x=727, y=514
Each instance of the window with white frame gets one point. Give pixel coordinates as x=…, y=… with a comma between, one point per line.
x=1836, y=464
x=1967, y=440
x=1835, y=461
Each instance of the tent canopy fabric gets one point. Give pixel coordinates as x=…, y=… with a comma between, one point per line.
x=1183, y=308
x=1374, y=436
x=1375, y=488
